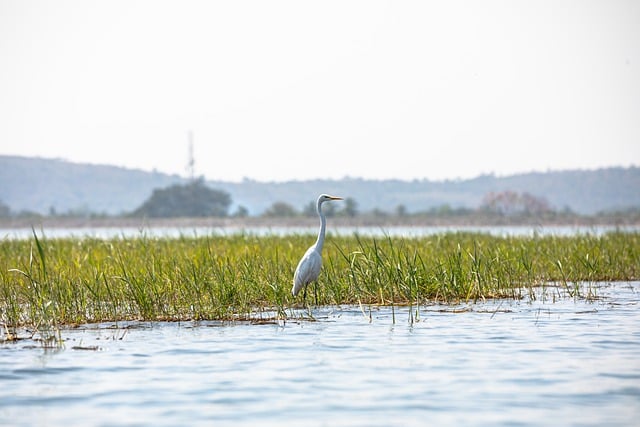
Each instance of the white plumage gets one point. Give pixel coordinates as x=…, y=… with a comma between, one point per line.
x=309, y=266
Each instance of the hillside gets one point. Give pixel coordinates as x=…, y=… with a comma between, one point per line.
x=41, y=185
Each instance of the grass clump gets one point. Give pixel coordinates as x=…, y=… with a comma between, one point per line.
x=50, y=282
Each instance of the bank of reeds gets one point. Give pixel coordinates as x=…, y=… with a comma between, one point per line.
x=49, y=282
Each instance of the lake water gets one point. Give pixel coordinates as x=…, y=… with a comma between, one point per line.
x=552, y=360
x=395, y=231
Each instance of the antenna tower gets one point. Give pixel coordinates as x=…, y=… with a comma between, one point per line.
x=191, y=161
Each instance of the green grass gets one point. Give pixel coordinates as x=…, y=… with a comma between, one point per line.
x=45, y=282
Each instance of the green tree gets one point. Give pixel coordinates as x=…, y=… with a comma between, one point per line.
x=5, y=211
x=350, y=207
x=241, y=212
x=280, y=209
x=310, y=209
x=379, y=213
x=329, y=210
x=194, y=199
x=401, y=210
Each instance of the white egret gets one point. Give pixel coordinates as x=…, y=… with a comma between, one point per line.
x=309, y=266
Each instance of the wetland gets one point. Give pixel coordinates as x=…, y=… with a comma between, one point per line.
x=452, y=327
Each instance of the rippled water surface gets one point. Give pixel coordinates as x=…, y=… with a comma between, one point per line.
x=550, y=361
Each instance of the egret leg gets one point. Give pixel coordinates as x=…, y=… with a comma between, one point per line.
x=315, y=291
x=304, y=295
x=304, y=299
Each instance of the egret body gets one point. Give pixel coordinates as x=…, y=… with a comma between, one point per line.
x=309, y=266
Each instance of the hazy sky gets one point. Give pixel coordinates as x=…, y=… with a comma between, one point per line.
x=279, y=90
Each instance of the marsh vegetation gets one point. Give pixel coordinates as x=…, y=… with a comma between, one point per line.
x=45, y=282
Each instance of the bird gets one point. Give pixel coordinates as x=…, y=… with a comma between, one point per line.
x=309, y=266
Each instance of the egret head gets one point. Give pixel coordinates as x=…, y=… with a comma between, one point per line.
x=324, y=197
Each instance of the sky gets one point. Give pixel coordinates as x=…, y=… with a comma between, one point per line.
x=296, y=90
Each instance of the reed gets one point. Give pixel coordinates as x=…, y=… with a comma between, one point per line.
x=50, y=282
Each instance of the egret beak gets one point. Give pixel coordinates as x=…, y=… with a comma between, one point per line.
x=335, y=198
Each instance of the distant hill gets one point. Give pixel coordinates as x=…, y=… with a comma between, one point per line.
x=42, y=185
x=38, y=185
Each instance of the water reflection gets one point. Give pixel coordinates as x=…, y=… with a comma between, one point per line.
x=527, y=362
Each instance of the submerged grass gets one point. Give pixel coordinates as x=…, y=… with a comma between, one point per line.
x=49, y=282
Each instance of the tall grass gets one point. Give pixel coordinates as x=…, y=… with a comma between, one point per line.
x=49, y=282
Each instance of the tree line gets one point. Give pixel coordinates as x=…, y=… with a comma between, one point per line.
x=196, y=199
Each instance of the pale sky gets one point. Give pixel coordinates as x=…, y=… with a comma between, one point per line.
x=293, y=90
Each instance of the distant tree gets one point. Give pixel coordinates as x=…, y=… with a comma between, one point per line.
x=534, y=205
x=446, y=210
x=511, y=203
x=241, y=212
x=350, y=207
x=194, y=199
x=5, y=211
x=29, y=214
x=310, y=209
x=329, y=209
x=280, y=209
x=401, y=210
x=443, y=210
x=379, y=213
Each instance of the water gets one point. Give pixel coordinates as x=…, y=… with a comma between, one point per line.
x=550, y=361
x=394, y=231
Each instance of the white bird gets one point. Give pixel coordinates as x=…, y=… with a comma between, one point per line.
x=309, y=266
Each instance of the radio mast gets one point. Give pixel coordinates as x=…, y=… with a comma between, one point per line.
x=191, y=162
